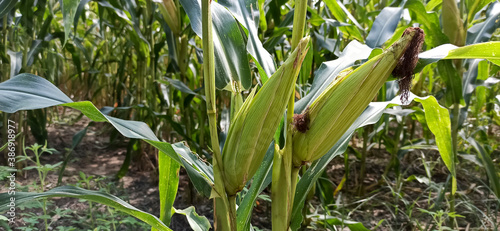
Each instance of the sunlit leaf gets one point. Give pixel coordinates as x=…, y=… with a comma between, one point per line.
x=438, y=120
x=94, y=196
x=168, y=184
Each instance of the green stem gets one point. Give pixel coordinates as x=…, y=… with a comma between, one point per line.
x=454, y=140
x=284, y=177
x=222, y=220
x=281, y=190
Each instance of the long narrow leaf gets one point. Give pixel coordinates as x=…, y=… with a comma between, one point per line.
x=23, y=93
x=94, y=196
x=384, y=26
x=231, y=60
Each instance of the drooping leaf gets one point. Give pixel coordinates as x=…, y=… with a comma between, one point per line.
x=489, y=166
x=438, y=120
x=22, y=93
x=69, y=8
x=200, y=173
x=487, y=50
x=94, y=196
x=197, y=222
x=242, y=11
x=384, y=26
x=180, y=86
x=16, y=62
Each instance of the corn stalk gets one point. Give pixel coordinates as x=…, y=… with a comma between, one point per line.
x=223, y=219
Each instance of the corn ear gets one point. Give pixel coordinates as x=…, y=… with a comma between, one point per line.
x=171, y=15
x=333, y=112
x=253, y=128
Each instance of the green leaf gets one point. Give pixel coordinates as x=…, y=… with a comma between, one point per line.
x=231, y=60
x=260, y=181
x=200, y=174
x=384, y=26
x=197, y=223
x=94, y=196
x=487, y=50
x=69, y=8
x=433, y=4
x=242, y=11
x=16, y=62
x=477, y=5
x=352, y=225
x=343, y=15
x=489, y=166
x=180, y=86
x=482, y=32
x=23, y=93
x=429, y=21
x=6, y=6
x=438, y=121
x=452, y=23
x=453, y=82
x=169, y=182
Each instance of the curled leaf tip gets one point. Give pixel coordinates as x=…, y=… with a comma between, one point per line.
x=408, y=61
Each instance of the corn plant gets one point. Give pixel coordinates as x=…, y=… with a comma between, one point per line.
x=268, y=127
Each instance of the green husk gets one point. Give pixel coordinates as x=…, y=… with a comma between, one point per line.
x=333, y=112
x=253, y=128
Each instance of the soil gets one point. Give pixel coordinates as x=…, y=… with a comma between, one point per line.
x=376, y=201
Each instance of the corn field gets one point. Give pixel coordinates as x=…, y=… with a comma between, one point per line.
x=234, y=115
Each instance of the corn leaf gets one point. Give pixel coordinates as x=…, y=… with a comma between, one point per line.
x=343, y=15
x=6, y=6
x=94, y=196
x=486, y=50
x=384, y=26
x=197, y=222
x=482, y=32
x=242, y=11
x=231, y=60
x=22, y=93
x=438, y=121
x=69, y=8
x=430, y=23
x=489, y=166
x=168, y=185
